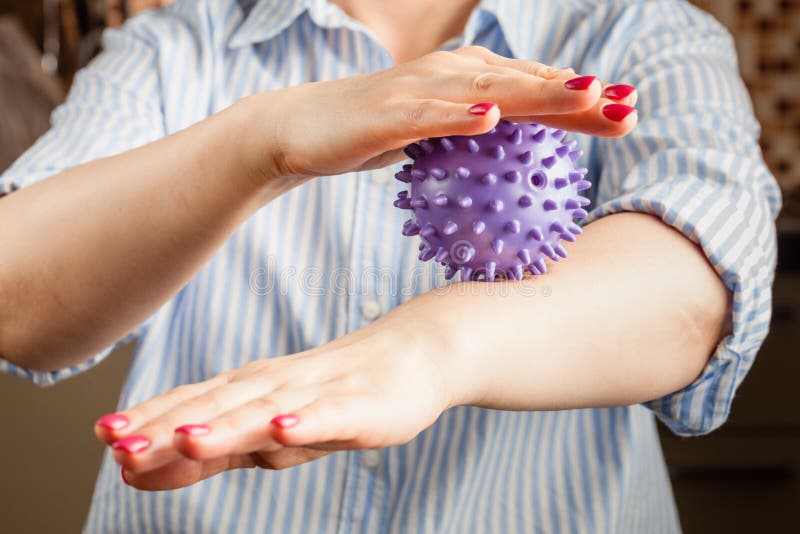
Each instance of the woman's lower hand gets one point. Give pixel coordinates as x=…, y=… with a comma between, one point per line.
x=365, y=390
x=364, y=121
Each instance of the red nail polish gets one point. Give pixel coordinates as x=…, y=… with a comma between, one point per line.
x=131, y=444
x=482, y=108
x=194, y=430
x=122, y=474
x=580, y=83
x=285, y=421
x=113, y=421
x=619, y=92
x=617, y=112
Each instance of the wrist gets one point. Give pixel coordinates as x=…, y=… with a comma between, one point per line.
x=252, y=130
x=444, y=343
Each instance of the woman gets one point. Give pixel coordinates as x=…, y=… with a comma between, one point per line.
x=209, y=199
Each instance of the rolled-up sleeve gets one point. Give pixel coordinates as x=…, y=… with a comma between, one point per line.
x=50, y=378
x=694, y=162
x=113, y=105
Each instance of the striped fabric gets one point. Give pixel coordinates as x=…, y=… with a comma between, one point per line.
x=327, y=258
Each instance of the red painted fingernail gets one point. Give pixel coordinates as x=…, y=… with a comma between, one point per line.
x=194, y=430
x=580, y=83
x=131, y=444
x=285, y=421
x=619, y=92
x=617, y=112
x=113, y=421
x=482, y=108
x=122, y=474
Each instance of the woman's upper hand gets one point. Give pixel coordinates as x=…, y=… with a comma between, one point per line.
x=363, y=121
x=362, y=391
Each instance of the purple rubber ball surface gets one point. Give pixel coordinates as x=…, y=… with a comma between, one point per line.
x=492, y=205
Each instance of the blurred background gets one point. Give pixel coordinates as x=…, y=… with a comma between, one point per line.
x=743, y=478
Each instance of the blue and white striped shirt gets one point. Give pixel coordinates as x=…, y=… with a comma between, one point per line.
x=305, y=269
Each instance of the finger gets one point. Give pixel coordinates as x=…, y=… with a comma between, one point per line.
x=115, y=426
x=621, y=93
x=418, y=119
x=243, y=429
x=347, y=421
x=533, y=68
x=151, y=446
x=518, y=94
x=287, y=457
x=627, y=95
x=183, y=472
x=606, y=119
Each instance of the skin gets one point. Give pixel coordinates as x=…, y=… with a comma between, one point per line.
x=60, y=289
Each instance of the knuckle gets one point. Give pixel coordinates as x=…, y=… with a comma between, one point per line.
x=208, y=403
x=264, y=404
x=254, y=366
x=483, y=82
x=448, y=116
x=227, y=377
x=179, y=394
x=538, y=92
x=475, y=50
x=415, y=118
x=543, y=71
x=353, y=383
x=331, y=408
x=439, y=56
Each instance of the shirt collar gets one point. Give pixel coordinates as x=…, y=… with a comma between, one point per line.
x=268, y=18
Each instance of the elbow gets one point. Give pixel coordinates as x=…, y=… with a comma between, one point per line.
x=23, y=348
x=705, y=320
x=19, y=353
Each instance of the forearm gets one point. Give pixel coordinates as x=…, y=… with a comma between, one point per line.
x=90, y=253
x=87, y=255
x=634, y=314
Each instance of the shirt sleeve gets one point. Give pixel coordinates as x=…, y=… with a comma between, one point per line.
x=113, y=105
x=694, y=162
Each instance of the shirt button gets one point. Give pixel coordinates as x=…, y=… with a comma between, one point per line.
x=382, y=176
x=370, y=458
x=370, y=309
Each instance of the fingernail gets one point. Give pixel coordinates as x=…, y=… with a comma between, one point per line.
x=567, y=68
x=194, y=430
x=580, y=83
x=131, y=444
x=113, y=421
x=617, y=112
x=482, y=108
x=618, y=92
x=122, y=474
x=285, y=421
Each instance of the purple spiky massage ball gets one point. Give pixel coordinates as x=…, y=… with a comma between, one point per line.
x=491, y=205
